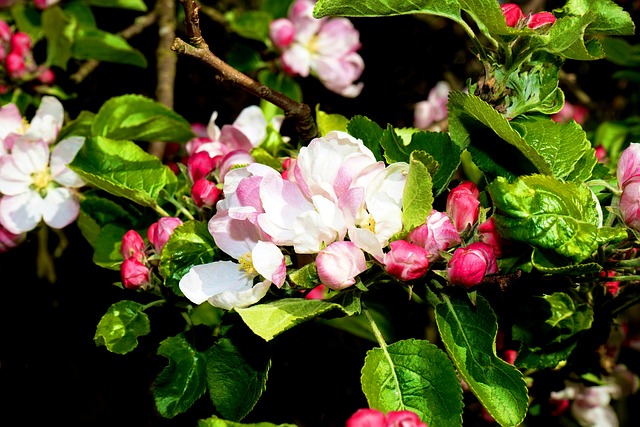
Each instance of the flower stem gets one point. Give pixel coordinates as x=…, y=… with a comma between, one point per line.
x=178, y=205
x=376, y=332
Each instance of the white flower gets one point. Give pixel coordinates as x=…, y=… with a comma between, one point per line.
x=37, y=185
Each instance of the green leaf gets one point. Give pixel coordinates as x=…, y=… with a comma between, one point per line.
x=359, y=325
x=183, y=380
x=123, y=169
x=609, y=18
x=270, y=319
x=120, y=327
x=417, y=197
x=190, y=244
x=469, y=334
x=244, y=59
x=621, y=52
x=218, y=422
x=550, y=262
x=282, y=83
x=369, y=132
x=330, y=122
x=237, y=377
x=560, y=216
x=561, y=144
x=138, y=118
x=81, y=13
x=251, y=24
x=305, y=277
x=80, y=126
x=28, y=19
x=93, y=43
x=413, y=375
x=447, y=155
x=138, y=5
x=59, y=30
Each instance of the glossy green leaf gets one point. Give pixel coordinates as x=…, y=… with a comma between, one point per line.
x=59, y=30
x=120, y=327
x=417, y=197
x=183, y=380
x=447, y=154
x=469, y=334
x=559, y=216
x=80, y=126
x=251, y=24
x=236, y=378
x=609, y=18
x=330, y=122
x=138, y=118
x=305, y=277
x=413, y=375
x=123, y=169
x=190, y=244
x=93, y=43
x=549, y=262
x=368, y=132
x=219, y=422
x=270, y=319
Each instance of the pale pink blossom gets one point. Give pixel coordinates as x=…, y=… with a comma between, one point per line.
x=469, y=265
x=325, y=48
x=9, y=240
x=160, y=231
x=630, y=203
x=339, y=263
x=628, y=164
x=43, y=4
x=434, y=108
x=406, y=261
x=569, y=112
x=437, y=234
x=38, y=185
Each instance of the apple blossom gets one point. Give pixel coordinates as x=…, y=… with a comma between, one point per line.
x=470, y=264
x=541, y=19
x=132, y=246
x=373, y=418
x=205, y=193
x=437, y=234
x=134, y=273
x=628, y=164
x=630, y=203
x=339, y=263
x=570, y=111
x=325, y=48
x=9, y=240
x=404, y=419
x=199, y=165
x=463, y=205
x=406, y=261
x=38, y=185
x=43, y=4
x=512, y=13
x=160, y=231
x=434, y=108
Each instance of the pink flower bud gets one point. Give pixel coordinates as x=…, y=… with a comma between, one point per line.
x=367, y=418
x=601, y=154
x=628, y=164
x=132, y=246
x=404, y=419
x=339, y=263
x=611, y=287
x=199, y=165
x=512, y=13
x=406, y=261
x=43, y=4
x=21, y=43
x=47, y=77
x=159, y=232
x=282, y=32
x=5, y=31
x=488, y=233
x=540, y=19
x=436, y=234
x=463, y=205
x=205, y=193
x=319, y=292
x=469, y=265
x=9, y=240
x=630, y=203
x=134, y=273
x=509, y=356
x=16, y=67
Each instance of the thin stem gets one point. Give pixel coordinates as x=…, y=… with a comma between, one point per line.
x=154, y=303
x=180, y=207
x=600, y=182
x=376, y=332
x=199, y=49
x=44, y=263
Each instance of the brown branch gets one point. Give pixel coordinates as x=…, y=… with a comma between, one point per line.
x=134, y=29
x=166, y=62
x=199, y=50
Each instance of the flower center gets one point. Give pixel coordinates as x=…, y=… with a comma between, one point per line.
x=246, y=264
x=41, y=180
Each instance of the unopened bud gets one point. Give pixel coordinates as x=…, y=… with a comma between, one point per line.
x=512, y=13
x=134, y=274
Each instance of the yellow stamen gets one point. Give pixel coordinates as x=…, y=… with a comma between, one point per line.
x=41, y=181
x=246, y=264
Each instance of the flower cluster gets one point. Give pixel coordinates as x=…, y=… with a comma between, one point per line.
x=515, y=18
x=326, y=48
x=35, y=182
x=375, y=418
x=18, y=63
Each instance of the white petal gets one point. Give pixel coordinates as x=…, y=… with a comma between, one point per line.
x=212, y=129
x=233, y=299
x=48, y=120
x=269, y=262
x=252, y=123
x=367, y=241
x=21, y=213
x=207, y=280
x=30, y=157
x=10, y=120
x=12, y=180
x=63, y=153
x=61, y=207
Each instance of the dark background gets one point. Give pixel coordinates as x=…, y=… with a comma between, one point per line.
x=51, y=371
